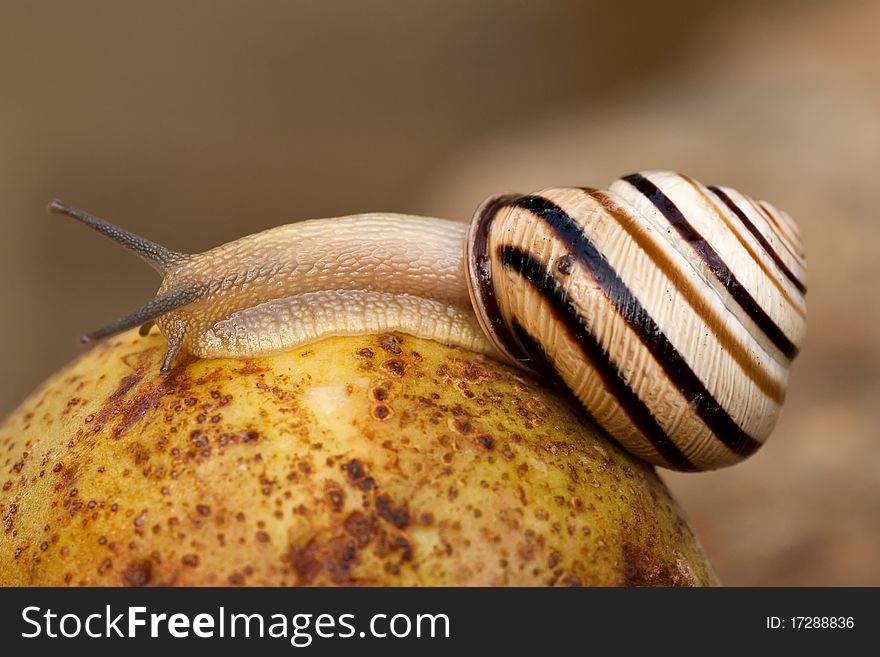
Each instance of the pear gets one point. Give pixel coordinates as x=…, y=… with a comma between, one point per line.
x=360, y=460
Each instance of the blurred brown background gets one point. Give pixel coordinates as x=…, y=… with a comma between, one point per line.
x=194, y=123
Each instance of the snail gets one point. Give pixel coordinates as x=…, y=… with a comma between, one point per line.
x=671, y=310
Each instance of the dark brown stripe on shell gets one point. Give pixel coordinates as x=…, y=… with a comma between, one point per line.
x=727, y=340
x=729, y=202
x=784, y=235
x=541, y=361
x=771, y=224
x=760, y=262
x=565, y=312
x=551, y=376
x=482, y=272
x=692, y=388
x=715, y=263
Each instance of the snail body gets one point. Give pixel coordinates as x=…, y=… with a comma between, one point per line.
x=670, y=310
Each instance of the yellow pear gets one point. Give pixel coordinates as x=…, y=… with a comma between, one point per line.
x=367, y=460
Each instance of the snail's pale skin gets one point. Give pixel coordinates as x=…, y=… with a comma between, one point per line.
x=671, y=310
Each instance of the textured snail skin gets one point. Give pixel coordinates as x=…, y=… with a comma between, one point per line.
x=670, y=310
x=295, y=284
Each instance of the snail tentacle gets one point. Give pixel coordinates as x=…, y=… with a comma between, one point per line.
x=145, y=315
x=157, y=256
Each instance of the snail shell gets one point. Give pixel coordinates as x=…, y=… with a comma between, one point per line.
x=671, y=310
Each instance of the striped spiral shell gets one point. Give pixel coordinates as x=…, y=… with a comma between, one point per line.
x=671, y=310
